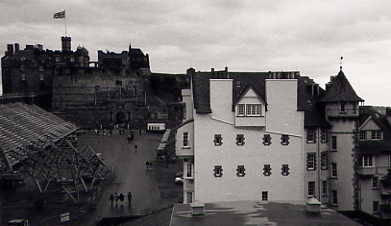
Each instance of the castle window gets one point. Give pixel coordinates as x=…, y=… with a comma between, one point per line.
x=267, y=170
x=334, y=169
x=240, y=139
x=241, y=109
x=324, y=136
x=284, y=139
x=311, y=161
x=311, y=136
x=267, y=139
x=218, y=140
x=324, y=161
x=334, y=143
x=363, y=135
x=367, y=161
x=240, y=171
x=285, y=170
x=218, y=171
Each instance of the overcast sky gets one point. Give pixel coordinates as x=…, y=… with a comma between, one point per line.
x=308, y=36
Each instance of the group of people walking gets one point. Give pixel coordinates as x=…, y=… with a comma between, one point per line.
x=119, y=199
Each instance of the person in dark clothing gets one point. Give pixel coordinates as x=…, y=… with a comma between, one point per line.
x=130, y=199
x=111, y=199
x=135, y=147
x=121, y=197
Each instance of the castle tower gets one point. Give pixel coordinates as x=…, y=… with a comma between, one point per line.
x=341, y=111
x=65, y=43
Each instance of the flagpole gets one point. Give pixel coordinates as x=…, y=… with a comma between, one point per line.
x=65, y=23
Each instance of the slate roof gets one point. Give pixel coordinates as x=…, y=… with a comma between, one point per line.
x=375, y=146
x=306, y=101
x=256, y=213
x=340, y=90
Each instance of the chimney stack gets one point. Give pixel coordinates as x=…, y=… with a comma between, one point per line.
x=16, y=47
x=65, y=44
x=10, y=50
x=212, y=70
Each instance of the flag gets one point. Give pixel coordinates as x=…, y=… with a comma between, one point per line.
x=59, y=15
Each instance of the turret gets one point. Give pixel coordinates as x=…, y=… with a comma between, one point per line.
x=65, y=44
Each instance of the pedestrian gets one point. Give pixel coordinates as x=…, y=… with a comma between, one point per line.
x=129, y=139
x=135, y=148
x=146, y=164
x=150, y=165
x=130, y=199
x=111, y=199
x=121, y=197
x=116, y=197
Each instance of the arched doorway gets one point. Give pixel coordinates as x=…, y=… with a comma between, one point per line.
x=120, y=117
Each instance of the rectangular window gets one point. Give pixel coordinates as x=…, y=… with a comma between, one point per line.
x=335, y=197
x=311, y=161
x=265, y=196
x=363, y=135
x=284, y=139
x=218, y=140
x=334, y=169
x=240, y=171
x=343, y=108
x=241, y=109
x=23, y=76
x=218, y=171
x=253, y=109
x=376, y=135
x=324, y=188
x=240, y=139
x=367, y=161
x=285, y=169
x=41, y=77
x=334, y=143
x=267, y=139
x=185, y=139
x=324, y=160
x=311, y=188
x=324, y=136
x=311, y=136
x=375, y=182
x=267, y=170
x=189, y=169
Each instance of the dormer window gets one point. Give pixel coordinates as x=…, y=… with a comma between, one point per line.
x=249, y=110
x=241, y=109
x=253, y=109
x=376, y=135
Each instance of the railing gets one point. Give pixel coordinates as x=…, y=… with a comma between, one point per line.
x=337, y=112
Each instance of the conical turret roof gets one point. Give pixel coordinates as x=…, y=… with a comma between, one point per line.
x=340, y=90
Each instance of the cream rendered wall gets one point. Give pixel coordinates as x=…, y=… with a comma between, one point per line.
x=253, y=155
x=368, y=195
x=179, y=148
x=343, y=129
x=317, y=175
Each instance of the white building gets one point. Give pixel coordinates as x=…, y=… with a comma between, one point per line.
x=267, y=136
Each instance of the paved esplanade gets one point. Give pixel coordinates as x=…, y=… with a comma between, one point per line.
x=130, y=174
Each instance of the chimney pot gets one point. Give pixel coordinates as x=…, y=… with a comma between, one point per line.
x=212, y=70
x=16, y=47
